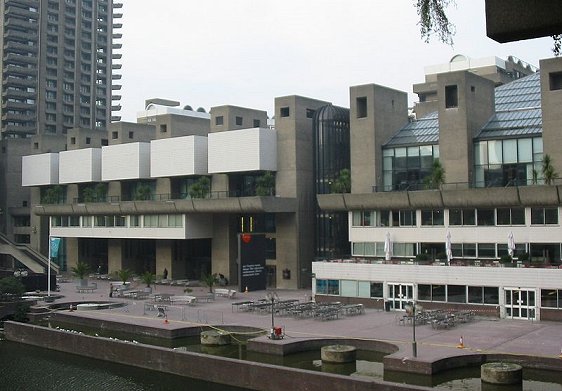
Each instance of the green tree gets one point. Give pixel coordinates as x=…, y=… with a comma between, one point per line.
x=53, y=195
x=148, y=278
x=81, y=270
x=200, y=189
x=434, y=20
x=265, y=184
x=210, y=280
x=124, y=275
x=342, y=182
x=11, y=286
x=436, y=178
x=143, y=192
x=548, y=172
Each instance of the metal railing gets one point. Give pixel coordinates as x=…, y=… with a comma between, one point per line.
x=415, y=186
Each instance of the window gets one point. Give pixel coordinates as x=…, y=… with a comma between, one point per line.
x=284, y=112
x=407, y=218
x=486, y=217
x=310, y=113
x=432, y=217
x=88, y=140
x=361, y=107
x=544, y=216
x=456, y=293
x=462, y=217
x=219, y=120
x=257, y=123
x=114, y=135
x=131, y=135
x=238, y=121
x=349, y=288
x=555, y=79
x=451, y=97
x=511, y=216
x=163, y=128
x=364, y=218
x=376, y=290
x=551, y=298
x=483, y=295
x=328, y=287
x=486, y=250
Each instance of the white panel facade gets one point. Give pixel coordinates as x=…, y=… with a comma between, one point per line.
x=125, y=161
x=178, y=156
x=243, y=150
x=39, y=170
x=80, y=165
x=450, y=275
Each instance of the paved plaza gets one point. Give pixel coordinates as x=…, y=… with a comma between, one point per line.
x=482, y=335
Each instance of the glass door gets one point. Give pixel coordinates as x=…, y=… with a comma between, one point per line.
x=520, y=303
x=400, y=295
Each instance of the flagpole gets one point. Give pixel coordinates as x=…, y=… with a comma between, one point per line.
x=49, y=263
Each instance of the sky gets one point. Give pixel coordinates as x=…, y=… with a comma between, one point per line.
x=247, y=52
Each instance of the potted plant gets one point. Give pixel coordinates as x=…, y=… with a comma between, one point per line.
x=124, y=275
x=81, y=271
x=148, y=278
x=210, y=280
x=422, y=258
x=506, y=260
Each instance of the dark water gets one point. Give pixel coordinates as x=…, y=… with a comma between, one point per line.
x=28, y=368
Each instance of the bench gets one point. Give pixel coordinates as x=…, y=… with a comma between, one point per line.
x=230, y=293
x=189, y=300
x=86, y=289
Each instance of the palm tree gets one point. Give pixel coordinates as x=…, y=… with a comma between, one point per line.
x=210, y=280
x=81, y=270
x=342, y=182
x=548, y=172
x=124, y=275
x=436, y=178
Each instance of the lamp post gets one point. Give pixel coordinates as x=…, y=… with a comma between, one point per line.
x=414, y=343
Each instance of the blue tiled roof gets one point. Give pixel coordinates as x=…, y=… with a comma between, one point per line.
x=518, y=113
x=518, y=110
x=421, y=131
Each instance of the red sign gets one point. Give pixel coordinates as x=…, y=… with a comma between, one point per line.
x=246, y=238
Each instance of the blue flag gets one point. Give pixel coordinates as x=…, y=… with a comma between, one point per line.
x=55, y=243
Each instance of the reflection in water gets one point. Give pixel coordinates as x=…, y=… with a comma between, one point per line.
x=367, y=364
x=29, y=368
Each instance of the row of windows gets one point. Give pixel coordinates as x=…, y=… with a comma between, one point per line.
x=457, y=217
x=239, y=121
x=146, y=221
x=426, y=292
x=551, y=298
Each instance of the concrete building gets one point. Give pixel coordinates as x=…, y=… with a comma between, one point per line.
x=175, y=190
x=436, y=198
x=59, y=75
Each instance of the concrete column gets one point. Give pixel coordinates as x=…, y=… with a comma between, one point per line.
x=114, y=255
x=286, y=243
x=224, y=248
x=164, y=260
x=114, y=190
x=36, y=221
x=71, y=252
x=551, y=102
x=72, y=193
x=163, y=189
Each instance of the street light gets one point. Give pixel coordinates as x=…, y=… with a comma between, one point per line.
x=414, y=343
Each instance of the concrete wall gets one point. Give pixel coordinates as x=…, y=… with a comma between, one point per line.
x=295, y=179
x=551, y=102
x=231, y=372
x=459, y=125
x=229, y=114
x=386, y=112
